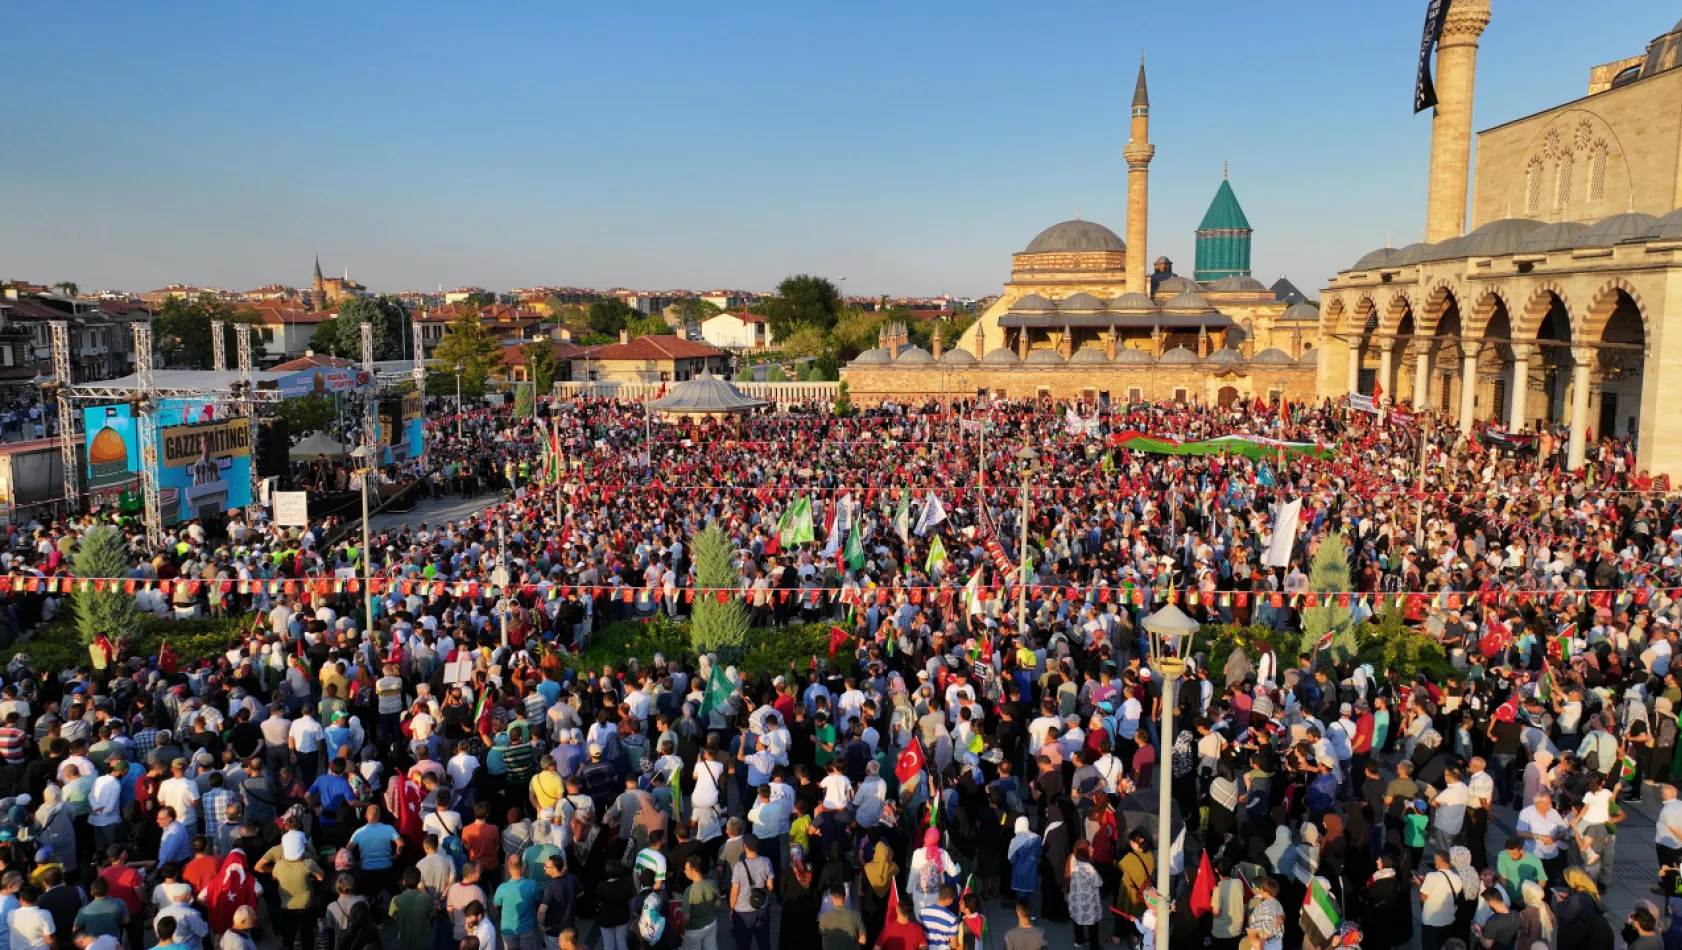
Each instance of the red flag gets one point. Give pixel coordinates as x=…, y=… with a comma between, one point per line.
x=893, y=899
x=837, y=636
x=910, y=762
x=1203, y=889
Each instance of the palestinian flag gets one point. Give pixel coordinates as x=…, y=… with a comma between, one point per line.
x=1318, y=909
x=1253, y=447
x=1559, y=648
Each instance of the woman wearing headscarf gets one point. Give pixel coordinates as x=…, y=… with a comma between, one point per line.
x=1471, y=887
x=1023, y=854
x=1638, y=740
x=1386, y=907
x=1660, y=765
x=803, y=900
x=1086, y=906
x=878, y=882
x=1536, y=919
x=837, y=872
x=1062, y=830
x=1138, y=874
x=930, y=867
x=57, y=827
x=1238, y=666
x=1334, y=849
x=1582, y=918
x=1222, y=802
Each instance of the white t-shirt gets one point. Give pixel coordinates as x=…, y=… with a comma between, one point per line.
x=1552, y=824
x=1597, y=807
x=31, y=926
x=837, y=791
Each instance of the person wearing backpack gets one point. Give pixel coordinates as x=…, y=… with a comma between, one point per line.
x=751, y=885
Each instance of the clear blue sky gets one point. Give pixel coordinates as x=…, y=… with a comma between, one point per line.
x=909, y=147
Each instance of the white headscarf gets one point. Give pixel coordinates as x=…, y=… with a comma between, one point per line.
x=1023, y=838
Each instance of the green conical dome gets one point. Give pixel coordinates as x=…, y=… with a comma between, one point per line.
x=1224, y=213
x=1223, y=239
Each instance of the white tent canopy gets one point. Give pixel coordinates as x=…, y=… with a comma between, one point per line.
x=316, y=444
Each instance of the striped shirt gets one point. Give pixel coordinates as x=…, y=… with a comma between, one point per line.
x=940, y=925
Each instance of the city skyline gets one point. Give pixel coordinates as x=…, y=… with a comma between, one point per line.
x=909, y=167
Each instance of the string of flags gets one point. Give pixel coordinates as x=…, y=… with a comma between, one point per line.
x=1135, y=596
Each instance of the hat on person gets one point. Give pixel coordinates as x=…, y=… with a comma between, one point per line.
x=1346, y=709
x=595, y=750
x=246, y=916
x=44, y=855
x=179, y=763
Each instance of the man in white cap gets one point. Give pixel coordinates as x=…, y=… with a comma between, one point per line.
x=190, y=928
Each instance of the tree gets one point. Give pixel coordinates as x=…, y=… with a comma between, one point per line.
x=103, y=553
x=806, y=341
x=774, y=374
x=181, y=333
x=745, y=373
x=648, y=326
x=803, y=300
x=467, y=344
x=574, y=318
x=522, y=399
x=827, y=367
x=843, y=406
x=854, y=332
x=1328, y=573
x=389, y=318
x=310, y=413
x=67, y=288
x=479, y=299
x=695, y=309
x=610, y=315
x=543, y=364
x=717, y=628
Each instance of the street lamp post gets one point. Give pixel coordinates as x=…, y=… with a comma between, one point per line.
x=459, y=369
x=1168, y=628
x=1027, y=456
x=362, y=454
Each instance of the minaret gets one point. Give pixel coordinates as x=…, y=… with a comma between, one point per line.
x=318, y=291
x=1138, y=153
x=1451, y=127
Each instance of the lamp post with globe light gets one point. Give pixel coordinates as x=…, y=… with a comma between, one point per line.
x=1171, y=632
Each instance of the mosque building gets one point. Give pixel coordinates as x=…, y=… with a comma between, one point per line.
x=1560, y=300
x=1082, y=318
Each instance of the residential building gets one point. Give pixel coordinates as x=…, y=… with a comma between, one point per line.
x=649, y=359
x=503, y=321
x=737, y=331
x=101, y=344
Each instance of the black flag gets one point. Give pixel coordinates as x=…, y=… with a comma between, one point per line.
x=1424, y=93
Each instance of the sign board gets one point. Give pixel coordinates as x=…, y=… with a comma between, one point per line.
x=184, y=445
x=291, y=508
x=411, y=406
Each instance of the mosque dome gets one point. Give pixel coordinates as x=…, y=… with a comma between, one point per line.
x=1002, y=356
x=1238, y=284
x=873, y=358
x=1272, y=356
x=914, y=356
x=1089, y=355
x=1080, y=303
x=108, y=453
x=1188, y=302
x=1310, y=357
x=1045, y=358
x=1306, y=313
x=1412, y=254
x=1134, y=357
x=1076, y=235
x=1499, y=238
x=1032, y=302
x=958, y=355
x=1629, y=226
x=1667, y=228
x=1178, y=285
x=1133, y=302
x=1559, y=236
x=1383, y=257
x=1179, y=355
x=1452, y=249
x=1226, y=356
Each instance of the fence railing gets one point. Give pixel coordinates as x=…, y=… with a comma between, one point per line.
x=779, y=393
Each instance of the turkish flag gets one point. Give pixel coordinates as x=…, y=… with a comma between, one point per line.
x=910, y=762
x=837, y=636
x=1203, y=889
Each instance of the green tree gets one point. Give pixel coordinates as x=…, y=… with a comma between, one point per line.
x=774, y=374
x=648, y=326
x=390, y=320
x=827, y=367
x=745, y=373
x=103, y=553
x=695, y=310
x=803, y=300
x=717, y=628
x=543, y=364
x=67, y=288
x=479, y=299
x=181, y=333
x=468, y=344
x=806, y=341
x=522, y=399
x=610, y=315
x=574, y=318
x=308, y=413
x=854, y=332
x=1329, y=573
x=843, y=406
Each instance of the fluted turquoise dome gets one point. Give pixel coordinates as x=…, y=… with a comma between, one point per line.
x=1223, y=239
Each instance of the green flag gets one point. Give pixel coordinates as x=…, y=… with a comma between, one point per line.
x=902, y=518
x=854, y=553
x=718, y=690
x=937, y=554
x=798, y=528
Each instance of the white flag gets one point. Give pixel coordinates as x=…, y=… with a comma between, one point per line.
x=972, y=592
x=933, y=513
x=1284, y=535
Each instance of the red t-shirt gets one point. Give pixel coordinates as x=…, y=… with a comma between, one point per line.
x=201, y=872
x=898, y=936
x=124, y=883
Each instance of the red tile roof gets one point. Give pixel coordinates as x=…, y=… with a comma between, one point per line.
x=495, y=313
x=514, y=354
x=654, y=348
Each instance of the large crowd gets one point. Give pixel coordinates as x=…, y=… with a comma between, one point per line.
x=982, y=734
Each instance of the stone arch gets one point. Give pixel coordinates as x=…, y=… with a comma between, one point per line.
x=1442, y=295
x=1536, y=307
x=1398, y=308
x=1490, y=299
x=1591, y=324
x=1332, y=313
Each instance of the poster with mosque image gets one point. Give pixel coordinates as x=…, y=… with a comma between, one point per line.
x=112, y=449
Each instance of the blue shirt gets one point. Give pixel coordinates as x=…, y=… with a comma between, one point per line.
x=518, y=902
x=334, y=791
x=375, y=843
x=551, y=691
x=175, y=844
x=940, y=925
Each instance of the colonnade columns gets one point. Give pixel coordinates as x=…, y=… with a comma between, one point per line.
x=1581, y=357
x=1468, y=386
x=1521, y=383
x=1355, y=368
x=1385, y=348
x=1421, y=375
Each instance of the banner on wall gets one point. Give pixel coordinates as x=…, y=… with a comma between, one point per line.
x=204, y=469
x=322, y=379
x=111, y=447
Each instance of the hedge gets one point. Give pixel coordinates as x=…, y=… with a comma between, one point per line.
x=56, y=646
x=1385, y=642
x=767, y=653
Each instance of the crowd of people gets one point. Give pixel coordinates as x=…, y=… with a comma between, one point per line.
x=983, y=733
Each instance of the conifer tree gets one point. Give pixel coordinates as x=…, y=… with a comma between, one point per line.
x=715, y=627
x=113, y=613
x=1329, y=574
